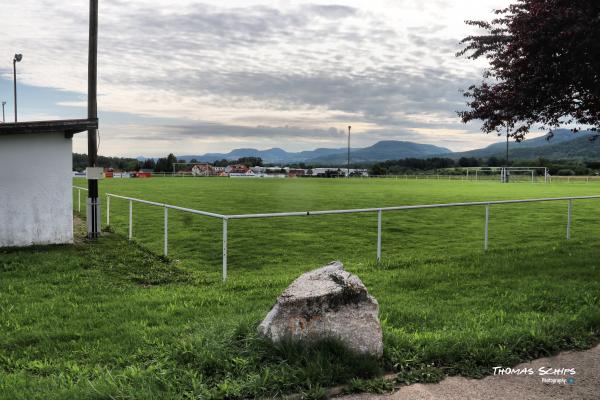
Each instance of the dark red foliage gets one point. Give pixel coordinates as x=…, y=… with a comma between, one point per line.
x=544, y=60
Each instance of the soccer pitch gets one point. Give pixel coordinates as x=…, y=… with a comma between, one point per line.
x=299, y=243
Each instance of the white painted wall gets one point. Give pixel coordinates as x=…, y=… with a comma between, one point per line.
x=35, y=189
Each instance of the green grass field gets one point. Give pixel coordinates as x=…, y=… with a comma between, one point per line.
x=114, y=320
x=299, y=243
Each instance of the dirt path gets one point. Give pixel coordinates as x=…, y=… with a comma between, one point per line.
x=585, y=383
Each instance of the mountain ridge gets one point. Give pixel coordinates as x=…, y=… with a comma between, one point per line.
x=379, y=151
x=563, y=144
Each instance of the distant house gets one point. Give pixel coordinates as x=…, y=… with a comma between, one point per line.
x=203, y=170
x=143, y=173
x=328, y=172
x=359, y=172
x=337, y=172
x=236, y=169
x=294, y=172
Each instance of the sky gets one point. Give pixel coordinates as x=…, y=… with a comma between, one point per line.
x=191, y=77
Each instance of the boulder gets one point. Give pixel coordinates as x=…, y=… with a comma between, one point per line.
x=328, y=302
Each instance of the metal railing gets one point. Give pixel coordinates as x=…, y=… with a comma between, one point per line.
x=379, y=210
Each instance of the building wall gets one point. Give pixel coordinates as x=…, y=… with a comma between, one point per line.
x=35, y=190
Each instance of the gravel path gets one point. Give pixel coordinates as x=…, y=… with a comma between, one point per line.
x=584, y=384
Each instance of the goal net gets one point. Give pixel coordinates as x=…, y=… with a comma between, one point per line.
x=508, y=174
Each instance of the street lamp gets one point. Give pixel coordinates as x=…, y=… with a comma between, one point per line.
x=3, y=104
x=18, y=58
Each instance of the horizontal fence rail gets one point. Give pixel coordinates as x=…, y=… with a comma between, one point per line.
x=397, y=208
x=379, y=210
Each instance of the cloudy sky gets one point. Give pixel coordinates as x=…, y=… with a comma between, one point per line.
x=191, y=77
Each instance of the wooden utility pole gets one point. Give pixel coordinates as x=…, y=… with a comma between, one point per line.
x=93, y=213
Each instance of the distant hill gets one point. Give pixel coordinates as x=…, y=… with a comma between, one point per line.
x=563, y=145
x=579, y=148
x=380, y=151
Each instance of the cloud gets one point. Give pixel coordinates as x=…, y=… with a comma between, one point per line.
x=250, y=69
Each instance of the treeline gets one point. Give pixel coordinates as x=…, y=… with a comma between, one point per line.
x=80, y=162
x=247, y=161
x=433, y=165
x=165, y=164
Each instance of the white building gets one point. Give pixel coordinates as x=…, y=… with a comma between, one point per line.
x=36, y=181
x=341, y=171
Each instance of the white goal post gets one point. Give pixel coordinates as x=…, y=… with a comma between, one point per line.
x=477, y=173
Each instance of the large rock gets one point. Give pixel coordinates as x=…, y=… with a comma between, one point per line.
x=324, y=303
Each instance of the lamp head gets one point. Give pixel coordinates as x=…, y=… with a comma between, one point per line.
x=18, y=57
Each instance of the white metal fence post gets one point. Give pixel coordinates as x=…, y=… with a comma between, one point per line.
x=379, y=212
x=487, y=223
x=79, y=200
x=569, y=214
x=130, y=219
x=224, y=249
x=107, y=210
x=166, y=244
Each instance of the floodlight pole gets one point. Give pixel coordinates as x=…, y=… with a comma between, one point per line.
x=3, y=104
x=507, y=135
x=93, y=200
x=348, y=166
x=504, y=173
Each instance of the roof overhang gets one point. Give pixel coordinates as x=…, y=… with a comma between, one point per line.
x=68, y=127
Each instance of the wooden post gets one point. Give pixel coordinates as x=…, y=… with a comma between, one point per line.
x=93, y=200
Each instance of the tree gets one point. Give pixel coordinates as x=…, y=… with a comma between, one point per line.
x=149, y=163
x=494, y=162
x=378, y=170
x=162, y=165
x=119, y=163
x=544, y=58
x=171, y=159
x=468, y=162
